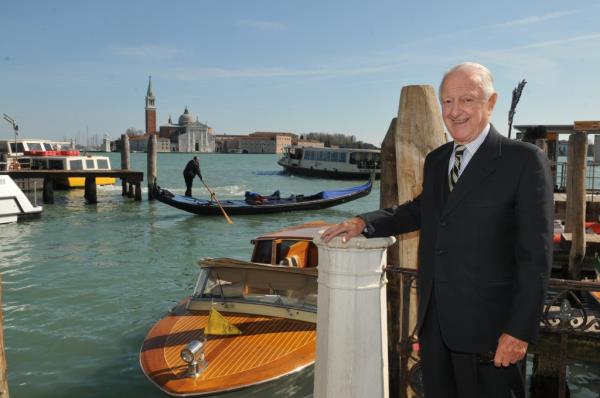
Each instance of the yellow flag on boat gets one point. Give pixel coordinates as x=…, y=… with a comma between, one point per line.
x=217, y=324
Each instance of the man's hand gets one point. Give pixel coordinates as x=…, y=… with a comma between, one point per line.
x=510, y=350
x=347, y=229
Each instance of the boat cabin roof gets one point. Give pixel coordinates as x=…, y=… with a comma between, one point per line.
x=230, y=263
x=304, y=231
x=291, y=246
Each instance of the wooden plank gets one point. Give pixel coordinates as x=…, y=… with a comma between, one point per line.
x=586, y=125
x=129, y=175
x=589, y=238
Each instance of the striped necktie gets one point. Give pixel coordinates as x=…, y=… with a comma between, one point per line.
x=454, y=173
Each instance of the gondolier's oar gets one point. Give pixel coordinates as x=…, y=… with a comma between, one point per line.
x=213, y=196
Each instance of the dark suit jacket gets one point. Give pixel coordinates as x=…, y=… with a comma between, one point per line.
x=486, y=250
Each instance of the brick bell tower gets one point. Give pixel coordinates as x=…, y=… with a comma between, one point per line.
x=150, y=109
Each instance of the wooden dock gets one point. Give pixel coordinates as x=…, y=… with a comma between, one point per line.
x=592, y=208
x=131, y=181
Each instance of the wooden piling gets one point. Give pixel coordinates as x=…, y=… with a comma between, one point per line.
x=90, y=193
x=419, y=130
x=542, y=144
x=48, y=191
x=138, y=191
x=152, y=154
x=575, y=208
x=388, y=197
x=130, y=190
x=125, y=160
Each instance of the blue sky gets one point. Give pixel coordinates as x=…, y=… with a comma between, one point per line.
x=77, y=68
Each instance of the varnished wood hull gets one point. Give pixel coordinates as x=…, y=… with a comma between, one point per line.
x=269, y=348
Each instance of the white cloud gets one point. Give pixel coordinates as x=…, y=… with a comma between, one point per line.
x=146, y=51
x=536, y=19
x=261, y=25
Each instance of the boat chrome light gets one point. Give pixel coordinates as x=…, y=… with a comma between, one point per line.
x=193, y=355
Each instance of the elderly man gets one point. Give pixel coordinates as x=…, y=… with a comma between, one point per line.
x=485, y=251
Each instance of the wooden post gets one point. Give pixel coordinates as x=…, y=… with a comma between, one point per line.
x=125, y=163
x=575, y=208
x=48, y=191
x=388, y=188
x=351, y=356
x=130, y=190
x=138, y=191
x=90, y=194
x=3, y=367
x=152, y=149
x=542, y=144
x=419, y=130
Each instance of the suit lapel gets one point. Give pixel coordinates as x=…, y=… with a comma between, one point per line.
x=480, y=166
x=441, y=176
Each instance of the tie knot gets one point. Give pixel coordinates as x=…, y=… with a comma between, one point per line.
x=459, y=151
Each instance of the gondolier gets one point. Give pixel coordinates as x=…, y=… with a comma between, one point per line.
x=192, y=169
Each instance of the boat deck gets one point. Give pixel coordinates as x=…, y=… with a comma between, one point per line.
x=127, y=175
x=268, y=348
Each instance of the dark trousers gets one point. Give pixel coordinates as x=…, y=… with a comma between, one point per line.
x=448, y=374
x=188, y=184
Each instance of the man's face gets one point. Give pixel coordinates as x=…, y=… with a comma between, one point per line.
x=465, y=109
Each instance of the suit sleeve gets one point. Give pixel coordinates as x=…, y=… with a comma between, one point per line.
x=533, y=247
x=393, y=221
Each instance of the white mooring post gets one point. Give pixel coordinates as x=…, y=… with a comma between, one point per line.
x=352, y=359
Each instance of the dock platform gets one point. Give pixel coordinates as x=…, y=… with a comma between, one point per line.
x=131, y=181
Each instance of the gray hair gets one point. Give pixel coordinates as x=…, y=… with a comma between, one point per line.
x=487, y=80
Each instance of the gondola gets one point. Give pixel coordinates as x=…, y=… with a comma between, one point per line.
x=259, y=204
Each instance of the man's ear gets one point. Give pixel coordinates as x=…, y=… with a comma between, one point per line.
x=492, y=102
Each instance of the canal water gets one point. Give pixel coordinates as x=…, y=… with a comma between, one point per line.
x=84, y=284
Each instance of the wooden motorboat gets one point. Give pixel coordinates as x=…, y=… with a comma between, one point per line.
x=267, y=308
x=259, y=204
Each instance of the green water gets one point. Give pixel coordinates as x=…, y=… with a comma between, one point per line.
x=84, y=284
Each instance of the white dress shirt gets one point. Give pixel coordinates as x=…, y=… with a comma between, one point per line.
x=470, y=150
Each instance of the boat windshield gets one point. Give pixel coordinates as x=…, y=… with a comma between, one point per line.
x=35, y=146
x=273, y=287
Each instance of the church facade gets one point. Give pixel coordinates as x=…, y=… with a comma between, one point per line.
x=188, y=135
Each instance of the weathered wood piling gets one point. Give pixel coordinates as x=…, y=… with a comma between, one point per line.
x=418, y=130
x=152, y=155
x=125, y=160
x=90, y=193
x=575, y=220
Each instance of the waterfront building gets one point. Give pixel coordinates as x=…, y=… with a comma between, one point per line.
x=257, y=142
x=139, y=143
x=301, y=142
x=188, y=135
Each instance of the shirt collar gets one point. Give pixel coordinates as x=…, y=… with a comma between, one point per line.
x=474, y=145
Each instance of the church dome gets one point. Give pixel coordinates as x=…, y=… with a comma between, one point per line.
x=186, y=118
